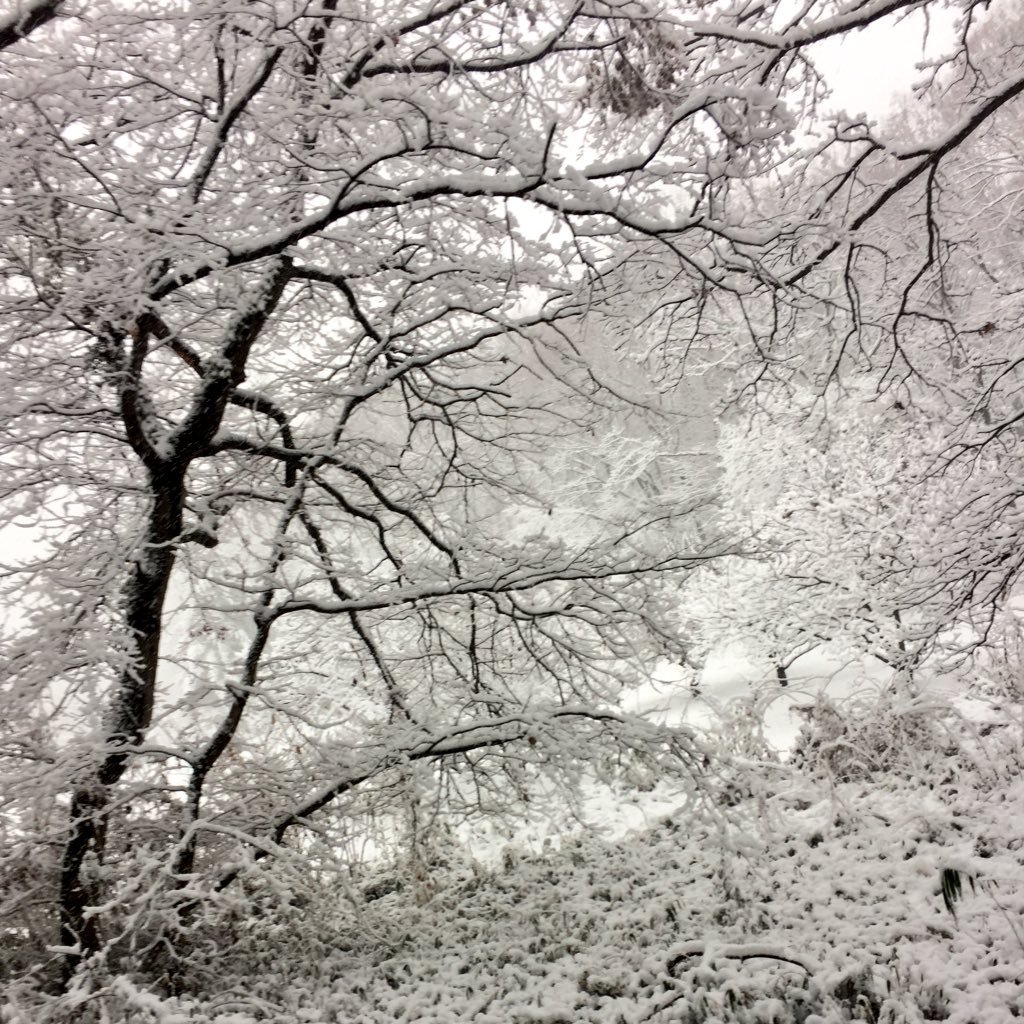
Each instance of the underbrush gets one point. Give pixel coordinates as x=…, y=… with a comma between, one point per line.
x=817, y=892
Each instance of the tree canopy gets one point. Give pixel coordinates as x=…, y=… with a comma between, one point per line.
x=347, y=349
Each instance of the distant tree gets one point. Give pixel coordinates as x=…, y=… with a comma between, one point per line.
x=873, y=446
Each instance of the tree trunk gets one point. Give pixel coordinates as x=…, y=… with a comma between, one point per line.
x=128, y=717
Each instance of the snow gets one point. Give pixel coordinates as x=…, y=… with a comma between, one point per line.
x=732, y=673
x=812, y=897
x=844, y=847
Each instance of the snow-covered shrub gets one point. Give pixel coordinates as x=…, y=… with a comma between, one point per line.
x=885, y=731
x=810, y=901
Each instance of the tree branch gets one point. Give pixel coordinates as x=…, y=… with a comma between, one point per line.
x=25, y=21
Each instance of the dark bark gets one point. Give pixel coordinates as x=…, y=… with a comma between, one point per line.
x=128, y=716
x=131, y=705
x=27, y=20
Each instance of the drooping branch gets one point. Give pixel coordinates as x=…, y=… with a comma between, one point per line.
x=743, y=951
x=799, y=36
x=465, y=739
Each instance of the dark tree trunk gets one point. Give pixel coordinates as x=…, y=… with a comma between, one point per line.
x=131, y=703
x=128, y=717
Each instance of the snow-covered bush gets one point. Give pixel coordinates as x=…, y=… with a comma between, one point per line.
x=888, y=730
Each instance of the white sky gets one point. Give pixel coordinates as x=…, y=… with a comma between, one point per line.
x=871, y=69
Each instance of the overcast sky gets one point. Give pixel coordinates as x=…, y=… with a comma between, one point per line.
x=873, y=69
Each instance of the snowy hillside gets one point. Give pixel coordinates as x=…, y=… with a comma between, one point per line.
x=877, y=877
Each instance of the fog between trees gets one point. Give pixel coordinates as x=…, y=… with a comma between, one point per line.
x=360, y=364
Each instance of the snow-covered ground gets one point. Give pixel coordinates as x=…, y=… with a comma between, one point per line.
x=877, y=875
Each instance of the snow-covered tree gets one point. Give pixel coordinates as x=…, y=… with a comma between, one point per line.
x=872, y=454
x=305, y=319
x=295, y=331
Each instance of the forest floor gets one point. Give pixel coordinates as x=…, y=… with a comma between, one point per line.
x=876, y=875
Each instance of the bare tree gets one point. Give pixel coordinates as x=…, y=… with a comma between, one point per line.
x=301, y=305
x=294, y=327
